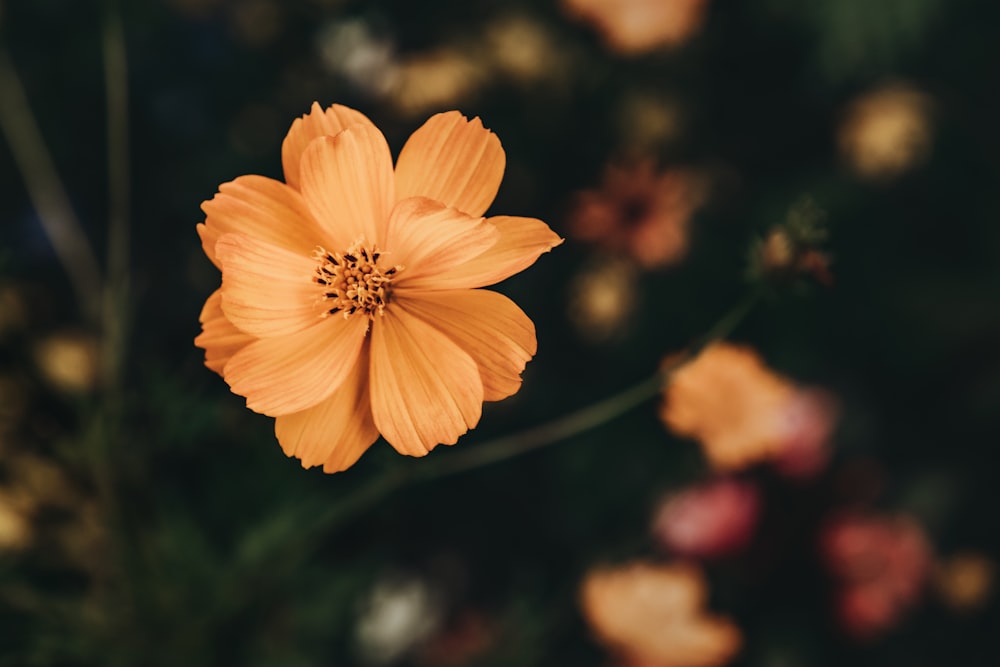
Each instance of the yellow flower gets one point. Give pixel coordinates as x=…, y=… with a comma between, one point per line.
x=348, y=306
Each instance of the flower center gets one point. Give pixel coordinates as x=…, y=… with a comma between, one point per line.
x=353, y=281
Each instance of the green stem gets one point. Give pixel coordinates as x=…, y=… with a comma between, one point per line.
x=48, y=196
x=509, y=446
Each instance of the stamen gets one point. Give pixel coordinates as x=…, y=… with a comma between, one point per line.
x=353, y=282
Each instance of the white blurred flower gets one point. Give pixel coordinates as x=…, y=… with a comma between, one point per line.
x=399, y=613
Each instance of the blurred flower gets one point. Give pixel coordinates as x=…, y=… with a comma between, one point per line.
x=433, y=80
x=713, y=519
x=351, y=49
x=632, y=27
x=348, y=305
x=522, y=49
x=886, y=132
x=743, y=413
x=460, y=642
x=15, y=524
x=653, y=615
x=602, y=297
x=881, y=564
x=640, y=212
x=965, y=581
x=647, y=120
x=791, y=250
x=68, y=361
x=399, y=613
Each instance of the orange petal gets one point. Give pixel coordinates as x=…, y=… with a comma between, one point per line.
x=425, y=389
x=219, y=338
x=260, y=207
x=317, y=123
x=348, y=185
x=488, y=326
x=336, y=431
x=453, y=160
x=522, y=241
x=279, y=376
x=267, y=291
x=427, y=238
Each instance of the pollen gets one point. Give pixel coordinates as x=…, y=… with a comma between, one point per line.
x=353, y=281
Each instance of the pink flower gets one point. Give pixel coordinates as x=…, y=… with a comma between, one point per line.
x=711, y=520
x=881, y=564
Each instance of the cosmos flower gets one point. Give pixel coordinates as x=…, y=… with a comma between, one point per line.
x=653, y=615
x=640, y=212
x=348, y=306
x=743, y=413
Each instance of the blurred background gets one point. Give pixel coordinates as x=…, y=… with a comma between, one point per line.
x=680, y=147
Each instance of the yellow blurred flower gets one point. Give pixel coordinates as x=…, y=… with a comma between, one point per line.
x=965, y=581
x=68, y=360
x=886, y=132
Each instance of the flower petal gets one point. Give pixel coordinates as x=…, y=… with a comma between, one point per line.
x=279, y=376
x=522, y=241
x=267, y=291
x=348, y=185
x=488, y=326
x=426, y=238
x=218, y=337
x=425, y=389
x=318, y=122
x=260, y=207
x=336, y=431
x=453, y=160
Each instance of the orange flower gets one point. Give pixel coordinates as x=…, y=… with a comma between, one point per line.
x=348, y=306
x=653, y=615
x=632, y=27
x=743, y=413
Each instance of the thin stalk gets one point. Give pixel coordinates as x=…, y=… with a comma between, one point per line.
x=116, y=288
x=509, y=446
x=46, y=191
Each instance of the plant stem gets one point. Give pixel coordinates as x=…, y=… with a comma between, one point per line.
x=48, y=196
x=509, y=446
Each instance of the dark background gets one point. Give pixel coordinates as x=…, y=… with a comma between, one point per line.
x=210, y=558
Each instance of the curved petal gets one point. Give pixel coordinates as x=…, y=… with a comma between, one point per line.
x=267, y=291
x=336, y=431
x=279, y=376
x=218, y=337
x=318, y=122
x=260, y=207
x=488, y=326
x=522, y=241
x=425, y=389
x=453, y=160
x=426, y=238
x=347, y=184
